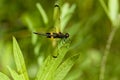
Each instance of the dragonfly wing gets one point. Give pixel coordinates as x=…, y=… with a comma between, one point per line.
x=56, y=16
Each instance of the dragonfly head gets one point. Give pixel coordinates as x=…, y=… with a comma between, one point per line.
x=66, y=35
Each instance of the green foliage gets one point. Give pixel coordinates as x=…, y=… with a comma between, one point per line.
x=21, y=73
x=43, y=14
x=66, y=14
x=15, y=75
x=50, y=68
x=94, y=37
x=65, y=67
x=3, y=77
x=19, y=61
x=113, y=14
x=112, y=11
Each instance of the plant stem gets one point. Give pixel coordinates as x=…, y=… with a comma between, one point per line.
x=106, y=53
x=104, y=7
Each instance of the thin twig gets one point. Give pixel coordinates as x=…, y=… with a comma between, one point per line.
x=106, y=52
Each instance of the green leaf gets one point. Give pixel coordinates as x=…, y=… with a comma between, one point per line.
x=64, y=68
x=66, y=14
x=113, y=9
x=74, y=75
x=15, y=75
x=48, y=68
x=29, y=22
x=42, y=12
x=19, y=60
x=4, y=77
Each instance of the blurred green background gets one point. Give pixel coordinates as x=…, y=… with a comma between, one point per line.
x=89, y=28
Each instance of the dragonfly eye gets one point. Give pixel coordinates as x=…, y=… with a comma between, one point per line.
x=66, y=35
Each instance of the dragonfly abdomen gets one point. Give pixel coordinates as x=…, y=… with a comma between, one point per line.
x=54, y=35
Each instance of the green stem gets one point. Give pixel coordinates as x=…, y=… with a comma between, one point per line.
x=104, y=7
x=106, y=53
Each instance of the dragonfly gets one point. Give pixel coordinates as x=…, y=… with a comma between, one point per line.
x=54, y=35
x=58, y=33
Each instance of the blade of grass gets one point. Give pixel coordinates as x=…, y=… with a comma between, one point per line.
x=19, y=60
x=63, y=47
x=43, y=68
x=74, y=75
x=51, y=64
x=113, y=10
x=66, y=14
x=15, y=75
x=55, y=64
x=42, y=12
x=4, y=77
x=65, y=67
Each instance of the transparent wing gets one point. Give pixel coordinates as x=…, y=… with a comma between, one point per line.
x=56, y=16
